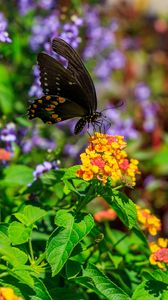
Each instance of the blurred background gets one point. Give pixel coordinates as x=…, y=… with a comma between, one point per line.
x=124, y=45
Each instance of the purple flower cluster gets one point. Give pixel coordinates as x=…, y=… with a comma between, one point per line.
x=43, y=168
x=35, y=89
x=101, y=43
x=98, y=37
x=25, y=6
x=142, y=94
x=114, y=61
x=11, y=135
x=8, y=136
x=4, y=36
x=120, y=125
x=43, y=31
x=37, y=141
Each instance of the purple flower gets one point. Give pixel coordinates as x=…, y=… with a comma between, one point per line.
x=43, y=30
x=35, y=90
x=103, y=69
x=116, y=59
x=4, y=36
x=45, y=167
x=99, y=38
x=37, y=141
x=120, y=126
x=71, y=150
x=142, y=91
x=25, y=6
x=8, y=136
x=46, y=4
x=70, y=34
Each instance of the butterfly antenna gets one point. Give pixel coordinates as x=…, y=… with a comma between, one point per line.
x=121, y=103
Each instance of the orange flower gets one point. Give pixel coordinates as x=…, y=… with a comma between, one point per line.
x=105, y=158
x=4, y=155
x=7, y=293
x=105, y=215
x=148, y=221
x=159, y=254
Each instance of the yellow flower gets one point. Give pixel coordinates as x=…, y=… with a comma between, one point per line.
x=148, y=221
x=7, y=293
x=105, y=158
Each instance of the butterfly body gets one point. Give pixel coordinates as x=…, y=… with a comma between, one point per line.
x=68, y=92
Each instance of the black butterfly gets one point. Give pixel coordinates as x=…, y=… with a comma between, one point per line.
x=68, y=92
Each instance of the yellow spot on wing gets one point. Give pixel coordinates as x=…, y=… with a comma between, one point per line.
x=61, y=100
x=35, y=105
x=58, y=119
x=54, y=116
x=48, y=108
x=39, y=101
x=49, y=122
x=48, y=97
x=55, y=102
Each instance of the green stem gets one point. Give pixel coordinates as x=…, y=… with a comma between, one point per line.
x=40, y=259
x=120, y=240
x=118, y=187
x=31, y=250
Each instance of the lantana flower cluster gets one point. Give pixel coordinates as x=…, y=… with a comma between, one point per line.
x=159, y=254
x=148, y=221
x=105, y=158
x=105, y=215
x=7, y=293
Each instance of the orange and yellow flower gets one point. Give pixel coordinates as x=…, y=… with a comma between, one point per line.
x=159, y=254
x=105, y=158
x=4, y=155
x=105, y=215
x=148, y=221
x=7, y=293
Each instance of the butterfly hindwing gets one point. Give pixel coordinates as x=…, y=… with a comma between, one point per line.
x=56, y=80
x=54, y=109
x=78, y=70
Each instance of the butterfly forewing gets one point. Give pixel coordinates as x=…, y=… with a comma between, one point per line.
x=56, y=80
x=78, y=70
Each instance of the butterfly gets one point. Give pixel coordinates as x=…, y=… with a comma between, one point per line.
x=69, y=91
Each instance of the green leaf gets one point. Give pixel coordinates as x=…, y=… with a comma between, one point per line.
x=66, y=294
x=41, y=291
x=116, y=259
x=70, y=172
x=124, y=207
x=24, y=276
x=66, y=237
x=13, y=255
x=73, y=268
x=95, y=280
x=30, y=215
x=4, y=239
x=17, y=175
x=6, y=93
x=159, y=275
x=150, y=290
x=18, y=233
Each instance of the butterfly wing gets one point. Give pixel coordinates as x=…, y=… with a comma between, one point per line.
x=56, y=80
x=78, y=70
x=54, y=109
